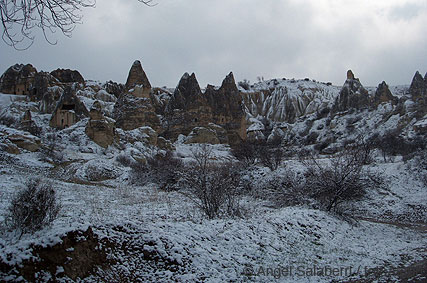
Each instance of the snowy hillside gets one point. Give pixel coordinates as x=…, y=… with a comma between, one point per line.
x=281, y=181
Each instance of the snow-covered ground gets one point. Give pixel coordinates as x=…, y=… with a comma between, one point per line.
x=267, y=245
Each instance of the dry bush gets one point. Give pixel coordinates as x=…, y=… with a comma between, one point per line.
x=52, y=149
x=418, y=166
x=213, y=187
x=339, y=179
x=250, y=152
x=124, y=160
x=163, y=169
x=285, y=189
x=33, y=208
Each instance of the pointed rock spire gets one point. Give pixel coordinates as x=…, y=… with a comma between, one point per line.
x=229, y=84
x=137, y=76
x=383, y=94
x=187, y=94
x=418, y=88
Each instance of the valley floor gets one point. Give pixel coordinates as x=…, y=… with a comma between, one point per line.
x=152, y=235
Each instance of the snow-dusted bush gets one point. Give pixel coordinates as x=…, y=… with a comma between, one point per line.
x=339, y=179
x=124, y=160
x=418, y=166
x=52, y=149
x=284, y=189
x=33, y=208
x=269, y=153
x=8, y=120
x=212, y=186
x=163, y=169
x=246, y=152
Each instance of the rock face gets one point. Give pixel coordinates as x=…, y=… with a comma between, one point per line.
x=202, y=135
x=68, y=110
x=138, y=81
x=28, y=142
x=352, y=95
x=383, y=95
x=42, y=82
x=227, y=109
x=98, y=128
x=189, y=108
x=132, y=112
x=418, y=92
x=18, y=79
x=68, y=76
x=114, y=88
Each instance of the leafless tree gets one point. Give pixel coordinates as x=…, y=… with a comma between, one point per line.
x=20, y=17
x=340, y=179
x=212, y=186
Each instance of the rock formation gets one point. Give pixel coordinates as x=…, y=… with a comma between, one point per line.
x=68, y=110
x=187, y=108
x=132, y=112
x=383, y=95
x=18, y=79
x=99, y=129
x=352, y=95
x=114, y=88
x=418, y=92
x=68, y=76
x=42, y=82
x=202, y=135
x=137, y=82
x=227, y=109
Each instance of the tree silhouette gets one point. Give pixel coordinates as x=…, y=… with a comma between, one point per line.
x=20, y=18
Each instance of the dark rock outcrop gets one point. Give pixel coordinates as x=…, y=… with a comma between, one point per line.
x=352, y=95
x=383, y=95
x=187, y=108
x=18, y=79
x=68, y=76
x=114, y=88
x=418, y=92
x=68, y=111
x=227, y=109
x=42, y=82
x=138, y=81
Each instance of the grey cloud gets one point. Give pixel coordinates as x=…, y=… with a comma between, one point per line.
x=252, y=38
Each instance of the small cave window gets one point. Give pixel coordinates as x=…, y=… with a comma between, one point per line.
x=195, y=120
x=62, y=122
x=68, y=107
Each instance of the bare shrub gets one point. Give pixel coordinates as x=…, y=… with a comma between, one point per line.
x=285, y=189
x=161, y=168
x=52, y=151
x=8, y=120
x=124, y=160
x=392, y=144
x=33, y=208
x=418, y=166
x=271, y=153
x=339, y=179
x=246, y=152
x=212, y=186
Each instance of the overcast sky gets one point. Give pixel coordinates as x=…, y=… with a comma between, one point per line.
x=320, y=39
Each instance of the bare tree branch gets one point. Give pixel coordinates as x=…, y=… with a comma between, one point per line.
x=19, y=18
